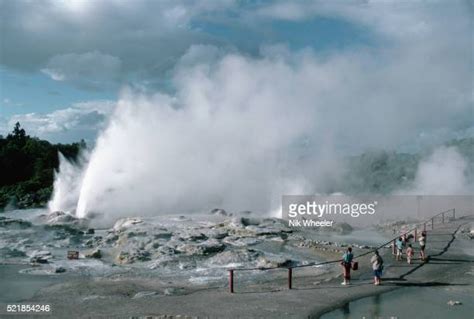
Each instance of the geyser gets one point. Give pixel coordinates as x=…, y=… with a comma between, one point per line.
x=218, y=142
x=238, y=132
x=156, y=156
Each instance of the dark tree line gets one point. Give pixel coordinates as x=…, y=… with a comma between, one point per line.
x=27, y=167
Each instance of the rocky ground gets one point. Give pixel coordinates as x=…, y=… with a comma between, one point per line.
x=139, y=261
x=196, y=250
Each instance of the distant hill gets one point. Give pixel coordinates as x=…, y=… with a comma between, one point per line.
x=379, y=172
x=27, y=167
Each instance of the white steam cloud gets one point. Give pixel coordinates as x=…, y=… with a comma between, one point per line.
x=67, y=184
x=231, y=137
x=239, y=132
x=444, y=172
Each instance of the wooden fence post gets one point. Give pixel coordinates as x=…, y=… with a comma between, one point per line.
x=290, y=278
x=231, y=281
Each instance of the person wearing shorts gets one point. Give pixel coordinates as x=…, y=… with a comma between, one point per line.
x=422, y=242
x=377, y=267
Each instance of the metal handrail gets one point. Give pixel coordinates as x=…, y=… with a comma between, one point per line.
x=391, y=241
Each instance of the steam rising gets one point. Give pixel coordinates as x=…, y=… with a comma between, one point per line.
x=443, y=172
x=67, y=185
x=229, y=138
x=238, y=131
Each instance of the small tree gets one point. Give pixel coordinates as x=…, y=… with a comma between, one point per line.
x=18, y=133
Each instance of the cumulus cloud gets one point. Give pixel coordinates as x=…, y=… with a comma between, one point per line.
x=80, y=120
x=292, y=11
x=148, y=37
x=88, y=70
x=415, y=67
x=404, y=20
x=142, y=34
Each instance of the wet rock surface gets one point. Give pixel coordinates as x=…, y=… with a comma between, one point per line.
x=144, y=294
x=13, y=223
x=201, y=246
x=96, y=253
x=59, y=270
x=40, y=257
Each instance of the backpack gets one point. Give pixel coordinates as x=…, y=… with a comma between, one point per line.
x=347, y=258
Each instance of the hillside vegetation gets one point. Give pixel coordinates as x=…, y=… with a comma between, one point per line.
x=27, y=167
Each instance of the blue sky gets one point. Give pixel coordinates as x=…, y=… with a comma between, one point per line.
x=24, y=92
x=65, y=62
x=34, y=91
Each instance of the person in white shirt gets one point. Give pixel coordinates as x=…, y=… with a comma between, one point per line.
x=377, y=267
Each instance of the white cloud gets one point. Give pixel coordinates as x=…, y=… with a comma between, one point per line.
x=292, y=11
x=150, y=36
x=140, y=33
x=417, y=67
x=90, y=69
x=4, y=129
x=81, y=120
x=401, y=19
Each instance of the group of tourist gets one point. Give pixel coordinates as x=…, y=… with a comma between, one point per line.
x=401, y=244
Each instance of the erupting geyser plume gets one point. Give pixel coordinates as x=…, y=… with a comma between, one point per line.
x=156, y=156
x=217, y=143
x=67, y=184
x=238, y=132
